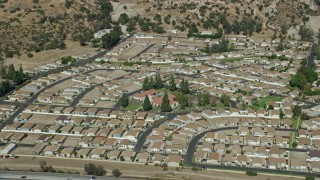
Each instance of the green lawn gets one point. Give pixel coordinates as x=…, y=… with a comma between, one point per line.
x=220, y=105
x=292, y=138
x=296, y=123
x=226, y=60
x=133, y=105
x=264, y=100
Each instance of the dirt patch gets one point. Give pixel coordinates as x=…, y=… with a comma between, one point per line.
x=298, y=155
x=314, y=23
x=30, y=139
x=105, y=104
x=46, y=57
x=22, y=150
x=71, y=141
x=42, y=119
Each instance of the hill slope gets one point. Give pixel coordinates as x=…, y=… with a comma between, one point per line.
x=37, y=25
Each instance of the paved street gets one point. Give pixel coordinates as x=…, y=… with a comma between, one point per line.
x=48, y=176
x=188, y=158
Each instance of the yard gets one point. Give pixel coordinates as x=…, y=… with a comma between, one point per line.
x=266, y=99
x=133, y=105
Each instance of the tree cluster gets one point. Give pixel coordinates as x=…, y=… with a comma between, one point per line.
x=246, y=25
x=68, y=60
x=146, y=24
x=305, y=33
x=183, y=100
x=92, y=169
x=184, y=86
x=223, y=46
x=203, y=99
x=112, y=38
x=304, y=78
x=15, y=76
x=151, y=83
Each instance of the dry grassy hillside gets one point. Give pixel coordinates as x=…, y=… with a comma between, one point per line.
x=273, y=15
x=37, y=25
x=29, y=26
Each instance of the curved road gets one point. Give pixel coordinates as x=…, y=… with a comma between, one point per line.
x=188, y=158
x=142, y=139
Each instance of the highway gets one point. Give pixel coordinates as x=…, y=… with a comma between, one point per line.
x=48, y=176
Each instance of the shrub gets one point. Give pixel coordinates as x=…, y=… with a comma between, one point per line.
x=116, y=173
x=30, y=55
x=194, y=168
x=92, y=169
x=251, y=173
x=309, y=178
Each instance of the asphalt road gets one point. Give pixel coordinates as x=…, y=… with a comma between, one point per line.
x=142, y=139
x=188, y=158
x=48, y=176
x=311, y=56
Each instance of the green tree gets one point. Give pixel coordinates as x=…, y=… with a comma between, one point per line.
x=165, y=104
x=158, y=18
x=282, y=115
x=131, y=25
x=11, y=71
x=280, y=46
x=147, y=106
x=200, y=100
x=183, y=100
x=124, y=100
x=159, y=82
x=270, y=107
x=225, y=100
x=68, y=3
x=3, y=72
x=299, y=80
x=112, y=38
x=172, y=84
x=184, y=86
x=159, y=29
x=151, y=84
x=193, y=29
x=294, y=144
x=123, y=19
x=206, y=99
x=203, y=99
x=236, y=28
x=145, y=84
x=305, y=33
x=5, y=86
x=223, y=46
x=296, y=111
